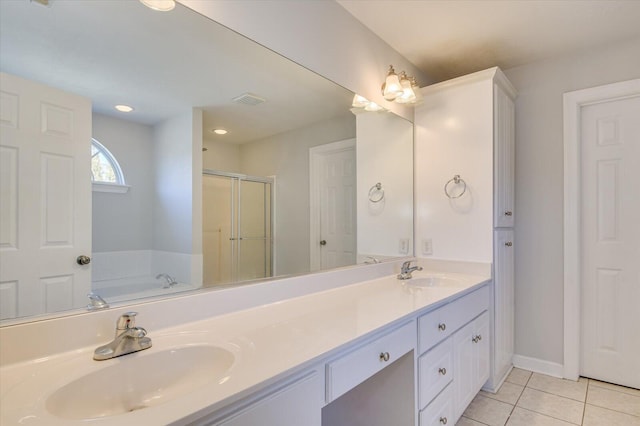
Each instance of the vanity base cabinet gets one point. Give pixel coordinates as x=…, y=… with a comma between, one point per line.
x=296, y=404
x=471, y=364
x=451, y=373
x=441, y=411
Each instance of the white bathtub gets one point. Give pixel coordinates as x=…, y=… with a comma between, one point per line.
x=122, y=289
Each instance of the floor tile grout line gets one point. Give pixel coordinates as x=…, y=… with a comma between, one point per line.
x=474, y=420
x=560, y=396
x=586, y=397
x=546, y=415
x=513, y=407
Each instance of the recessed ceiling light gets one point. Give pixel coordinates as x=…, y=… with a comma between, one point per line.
x=123, y=108
x=159, y=5
x=220, y=131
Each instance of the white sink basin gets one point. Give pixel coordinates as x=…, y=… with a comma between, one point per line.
x=139, y=381
x=434, y=281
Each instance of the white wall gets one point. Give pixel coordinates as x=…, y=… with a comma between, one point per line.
x=177, y=207
x=221, y=156
x=323, y=37
x=287, y=157
x=539, y=185
x=121, y=221
x=384, y=152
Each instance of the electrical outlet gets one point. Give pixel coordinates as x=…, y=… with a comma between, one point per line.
x=427, y=246
x=403, y=246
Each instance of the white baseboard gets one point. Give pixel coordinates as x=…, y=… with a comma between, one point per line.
x=538, y=366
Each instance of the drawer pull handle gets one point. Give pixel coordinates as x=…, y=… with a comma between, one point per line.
x=508, y=213
x=442, y=371
x=442, y=326
x=384, y=356
x=443, y=420
x=508, y=244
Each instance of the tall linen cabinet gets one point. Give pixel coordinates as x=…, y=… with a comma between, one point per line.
x=465, y=190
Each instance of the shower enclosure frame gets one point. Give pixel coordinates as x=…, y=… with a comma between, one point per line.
x=236, y=219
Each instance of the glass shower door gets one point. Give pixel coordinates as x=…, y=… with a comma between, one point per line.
x=237, y=227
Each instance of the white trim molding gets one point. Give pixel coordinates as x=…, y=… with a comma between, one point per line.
x=538, y=365
x=573, y=104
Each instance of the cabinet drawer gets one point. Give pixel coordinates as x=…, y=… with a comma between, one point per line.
x=435, y=371
x=440, y=411
x=355, y=367
x=440, y=323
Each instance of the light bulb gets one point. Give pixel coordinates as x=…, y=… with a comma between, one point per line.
x=359, y=101
x=408, y=95
x=391, y=88
x=373, y=107
x=159, y=5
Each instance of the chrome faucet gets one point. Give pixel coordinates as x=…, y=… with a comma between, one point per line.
x=170, y=281
x=129, y=339
x=407, y=269
x=96, y=302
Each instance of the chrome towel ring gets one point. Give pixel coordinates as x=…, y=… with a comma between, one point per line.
x=457, y=180
x=376, y=193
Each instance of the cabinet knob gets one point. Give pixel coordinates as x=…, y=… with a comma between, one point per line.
x=442, y=326
x=83, y=260
x=442, y=371
x=323, y=242
x=508, y=213
x=508, y=244
x=384, y=356
x=476, y=338
x=443, y=420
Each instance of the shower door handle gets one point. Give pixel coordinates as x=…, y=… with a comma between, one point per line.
x=323, y=242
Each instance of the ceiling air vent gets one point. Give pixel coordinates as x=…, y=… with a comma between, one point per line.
x=249, y=99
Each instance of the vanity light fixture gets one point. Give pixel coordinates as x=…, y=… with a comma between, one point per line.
x=123, y=108
x=402, y=88
x=220, y=131
x=360, y=102
x=159, y=5
x=407, y=96
x=391, y=88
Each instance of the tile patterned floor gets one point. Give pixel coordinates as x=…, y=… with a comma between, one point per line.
x=532, y=399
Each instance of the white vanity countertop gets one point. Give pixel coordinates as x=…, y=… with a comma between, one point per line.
x=268, y=341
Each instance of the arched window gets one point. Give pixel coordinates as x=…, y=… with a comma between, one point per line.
x=106, y=174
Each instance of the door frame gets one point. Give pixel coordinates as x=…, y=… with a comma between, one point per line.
x=316, y=156
x=572, y=109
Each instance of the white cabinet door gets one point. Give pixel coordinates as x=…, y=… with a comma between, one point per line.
x=45, y=213
x=471, y=354
x=482, y=351
x=295, y=405
x=503, y=305
x=504, y=158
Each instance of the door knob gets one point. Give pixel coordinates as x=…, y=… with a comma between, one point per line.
x=323, y=242
x=83, y=260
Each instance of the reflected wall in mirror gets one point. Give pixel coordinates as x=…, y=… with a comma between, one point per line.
x=301, y=181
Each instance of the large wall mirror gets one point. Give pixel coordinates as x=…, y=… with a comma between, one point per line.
x=157, y=199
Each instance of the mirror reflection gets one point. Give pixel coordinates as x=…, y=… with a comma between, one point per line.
x=223, y=162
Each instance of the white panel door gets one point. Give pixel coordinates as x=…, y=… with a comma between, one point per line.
x=610, y=248
x=333, y=212
x=45, y=218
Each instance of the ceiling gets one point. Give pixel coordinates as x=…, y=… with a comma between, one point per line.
x=121, y=52
x=450, y=38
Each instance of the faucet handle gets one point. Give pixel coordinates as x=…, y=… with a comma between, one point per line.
x=126, y=320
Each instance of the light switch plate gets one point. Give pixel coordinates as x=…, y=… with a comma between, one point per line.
x=403, y=246
x=427, y=246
